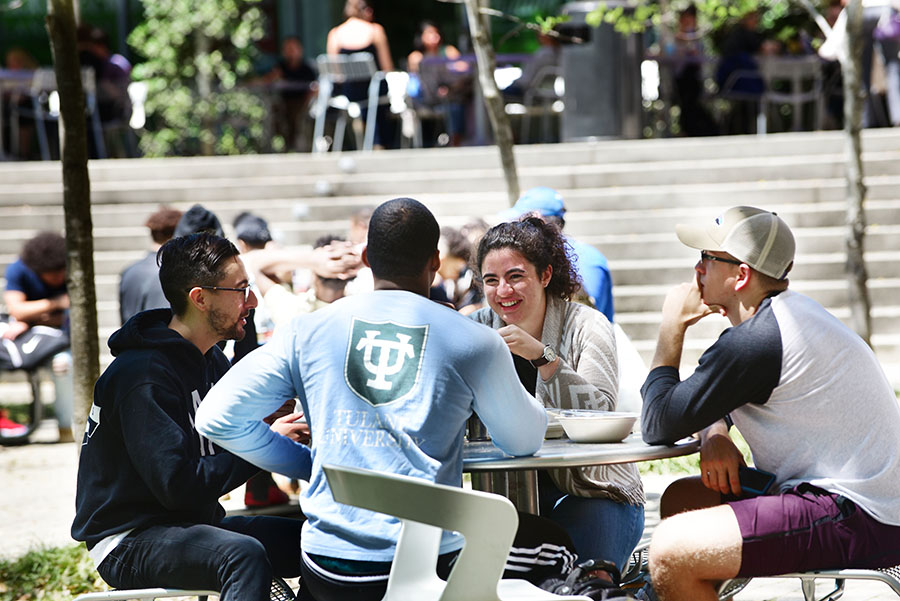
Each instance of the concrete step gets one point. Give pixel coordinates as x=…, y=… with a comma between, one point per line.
x=823, y=266
x=599, y=152
x=480, y=202
x=662, y=220
x=657, y=245
x=185, y=187
x=648, y=231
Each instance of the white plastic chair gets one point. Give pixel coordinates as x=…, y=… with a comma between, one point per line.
x=488, y=522
x=144, y=593
x=803, y=83
x=340, y=69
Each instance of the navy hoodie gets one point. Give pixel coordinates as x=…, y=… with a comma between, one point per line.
x=142, y=462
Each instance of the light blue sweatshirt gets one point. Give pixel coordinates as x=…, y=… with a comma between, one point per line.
x=387, y=381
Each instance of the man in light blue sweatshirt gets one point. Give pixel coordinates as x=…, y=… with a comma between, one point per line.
x=387, y=381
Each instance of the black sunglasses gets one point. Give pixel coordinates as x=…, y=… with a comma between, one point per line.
x=705, y=256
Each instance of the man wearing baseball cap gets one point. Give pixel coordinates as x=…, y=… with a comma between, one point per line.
x=591, y=264
x=808, y=396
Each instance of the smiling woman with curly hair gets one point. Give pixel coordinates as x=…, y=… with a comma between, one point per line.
x=565, y=354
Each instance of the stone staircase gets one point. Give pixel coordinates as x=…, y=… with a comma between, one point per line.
x=622, y=196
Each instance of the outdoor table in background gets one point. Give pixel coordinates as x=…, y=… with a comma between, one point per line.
x=490, y=466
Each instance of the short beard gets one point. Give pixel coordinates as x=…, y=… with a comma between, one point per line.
x=224, y=328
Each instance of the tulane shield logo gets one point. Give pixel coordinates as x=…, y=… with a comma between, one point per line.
x=384, y=359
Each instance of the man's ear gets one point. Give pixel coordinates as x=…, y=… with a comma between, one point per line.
x=365, y=257
x=197, y=297
x=436, y=260
x=744, y=275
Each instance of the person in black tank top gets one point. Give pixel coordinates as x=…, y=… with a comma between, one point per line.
x=359, y=33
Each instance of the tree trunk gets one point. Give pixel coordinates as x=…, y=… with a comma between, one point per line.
x=77, y=207
x=503, y=136
x=854, y=99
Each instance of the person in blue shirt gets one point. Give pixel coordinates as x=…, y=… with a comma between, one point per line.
x=36, y=295
x=387, y=380
x=591, y=264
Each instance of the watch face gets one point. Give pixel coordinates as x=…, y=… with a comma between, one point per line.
x=549, y=353
x=546, y=357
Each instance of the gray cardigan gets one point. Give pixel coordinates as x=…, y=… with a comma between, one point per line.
x=587, y=378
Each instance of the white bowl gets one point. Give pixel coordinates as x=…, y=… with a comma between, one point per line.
x=589, y=425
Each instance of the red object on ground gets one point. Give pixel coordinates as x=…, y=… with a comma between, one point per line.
x=9, y=427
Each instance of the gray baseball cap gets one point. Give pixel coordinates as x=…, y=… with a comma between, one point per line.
x=759, y=238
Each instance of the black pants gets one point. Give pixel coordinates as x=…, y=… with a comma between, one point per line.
x=238, y=557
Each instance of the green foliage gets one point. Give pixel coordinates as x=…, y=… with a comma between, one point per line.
x=777, y=19
x=547, y=24
x=49, y=574
x=197, y=52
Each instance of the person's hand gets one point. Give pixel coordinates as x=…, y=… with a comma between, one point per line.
x=288, y=426
x=286, y=409
x=61, y=302
x=521, y=343
x=14, y=330
x=719, y=462
x=684, y=305
x=337, y=260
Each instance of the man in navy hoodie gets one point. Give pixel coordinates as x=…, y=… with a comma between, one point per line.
x=148, y=482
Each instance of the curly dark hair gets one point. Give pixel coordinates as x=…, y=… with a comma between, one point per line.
x=542, y=244
x=45, y=252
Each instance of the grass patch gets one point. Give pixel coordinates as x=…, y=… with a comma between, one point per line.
x=49, y=575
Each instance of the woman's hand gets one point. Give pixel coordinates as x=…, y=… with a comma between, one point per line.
x=521, y=343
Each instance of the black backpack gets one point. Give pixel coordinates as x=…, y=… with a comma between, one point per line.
x=31, y=348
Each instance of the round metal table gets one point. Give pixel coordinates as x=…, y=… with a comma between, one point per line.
x=491, y=467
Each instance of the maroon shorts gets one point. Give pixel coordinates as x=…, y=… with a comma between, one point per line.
x=808, y=528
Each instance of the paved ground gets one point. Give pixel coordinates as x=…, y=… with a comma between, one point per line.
x=37, y=504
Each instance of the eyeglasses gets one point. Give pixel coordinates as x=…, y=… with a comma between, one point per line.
x=705, y=256
x=245, y=290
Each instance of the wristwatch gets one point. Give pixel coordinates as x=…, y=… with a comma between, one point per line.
x=548, y=356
